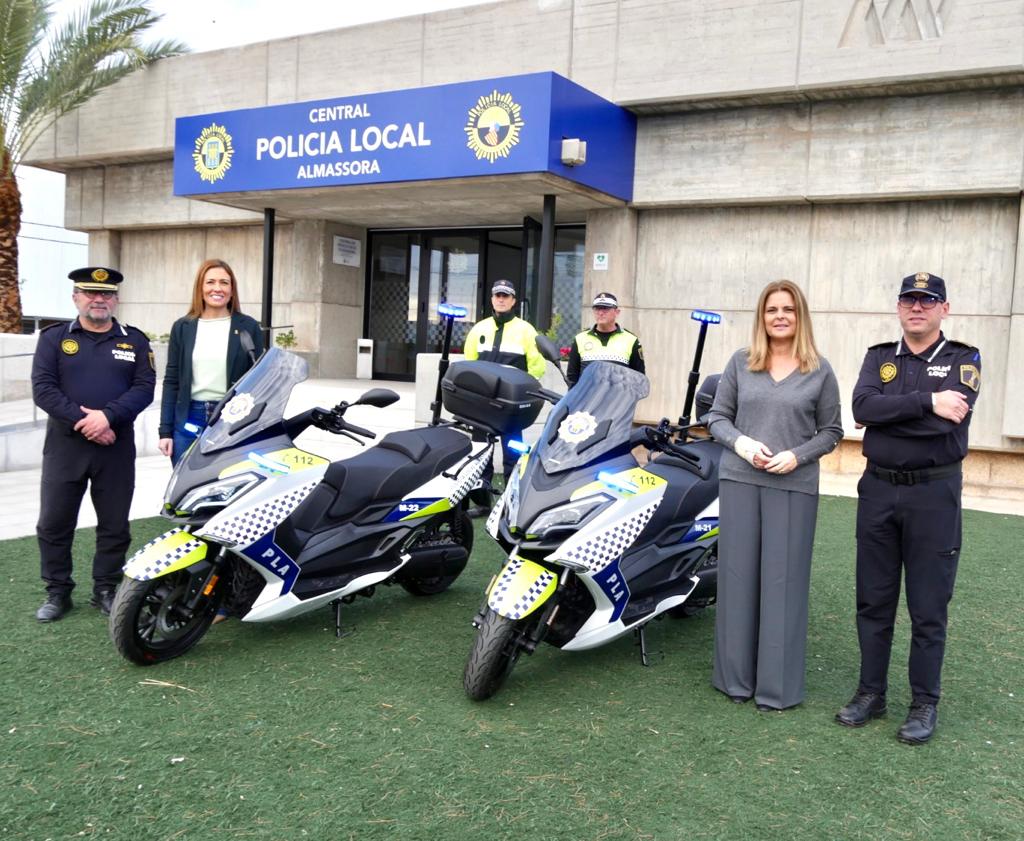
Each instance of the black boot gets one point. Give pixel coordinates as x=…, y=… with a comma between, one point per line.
x=863, y=707
x=920, y=724
x=54, y=608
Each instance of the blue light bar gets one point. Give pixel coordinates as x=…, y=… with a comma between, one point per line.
x=520, y=447
x=447, y=310
x=267, y=463
x=617, y=484
x=706, y=316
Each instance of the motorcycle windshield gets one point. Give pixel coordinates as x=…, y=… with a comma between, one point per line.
x=257, y=401
x=595, y=416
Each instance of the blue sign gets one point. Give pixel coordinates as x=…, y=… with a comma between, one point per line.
x=509, y=125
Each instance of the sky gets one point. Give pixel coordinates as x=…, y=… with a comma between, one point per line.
x=202, y=25
x=205, y=25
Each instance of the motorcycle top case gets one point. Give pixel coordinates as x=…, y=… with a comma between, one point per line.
x=489, y=396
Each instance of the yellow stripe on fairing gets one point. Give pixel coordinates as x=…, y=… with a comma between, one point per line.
x=295, y=458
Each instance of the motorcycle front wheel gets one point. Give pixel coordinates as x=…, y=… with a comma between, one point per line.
x=495, y=653
x=150, y=623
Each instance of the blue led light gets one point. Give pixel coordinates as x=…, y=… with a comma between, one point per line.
x=451, y=310
x=520, y=447
x=267, y=463
x=617, y=484
x=706, y=316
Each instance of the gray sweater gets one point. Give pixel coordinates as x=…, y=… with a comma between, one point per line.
x=800, y=413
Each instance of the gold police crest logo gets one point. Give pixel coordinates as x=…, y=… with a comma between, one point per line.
x=69, y=346
x=921, y=280
x=213, y=153
x=493, y=125
x=887, y=372
x=100, y=275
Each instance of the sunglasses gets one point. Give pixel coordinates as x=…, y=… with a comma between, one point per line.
x=927, y=302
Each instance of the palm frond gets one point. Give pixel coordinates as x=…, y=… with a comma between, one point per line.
x=88, y=53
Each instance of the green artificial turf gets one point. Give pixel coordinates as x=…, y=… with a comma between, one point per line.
x=284, y=732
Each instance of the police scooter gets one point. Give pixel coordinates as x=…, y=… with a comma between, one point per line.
x=597, y=544
x=272, y=531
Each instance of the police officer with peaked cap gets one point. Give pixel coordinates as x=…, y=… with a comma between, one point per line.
x=606, y=341
x=914, y=397
x=92, y=377
x=504, y=337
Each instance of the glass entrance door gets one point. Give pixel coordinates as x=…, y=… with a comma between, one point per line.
x=410, y=274
x=449, y=271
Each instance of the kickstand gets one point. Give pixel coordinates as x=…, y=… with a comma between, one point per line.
x=338, y=633
x=642, y=642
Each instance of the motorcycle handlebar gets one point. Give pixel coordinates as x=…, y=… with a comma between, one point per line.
x=358, y=430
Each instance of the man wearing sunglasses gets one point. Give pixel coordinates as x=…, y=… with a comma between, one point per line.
x=914, y=398
x=92, y=377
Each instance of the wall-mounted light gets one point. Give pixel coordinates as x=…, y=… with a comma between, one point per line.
x=574, y=151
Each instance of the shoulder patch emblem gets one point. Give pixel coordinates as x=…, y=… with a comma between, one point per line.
x=887, y=372
x=970, y=376
x=69, y=346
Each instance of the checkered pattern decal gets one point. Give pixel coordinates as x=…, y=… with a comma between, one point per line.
x=252, y=523
x=469, y=477
x=600, y=550
x=158, y=563
x=605, y=355
x=495, y=515
x=503, y=599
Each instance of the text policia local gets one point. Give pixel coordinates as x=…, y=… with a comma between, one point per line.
x=366, y=139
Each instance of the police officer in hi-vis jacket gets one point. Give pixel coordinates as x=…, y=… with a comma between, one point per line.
x=606, y=341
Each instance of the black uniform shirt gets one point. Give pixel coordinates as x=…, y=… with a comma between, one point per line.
x=112, y=371
x=892, y=399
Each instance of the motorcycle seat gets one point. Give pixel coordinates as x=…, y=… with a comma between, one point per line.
x=400, y=463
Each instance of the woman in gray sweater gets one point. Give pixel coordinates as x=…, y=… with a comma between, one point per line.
x=777, y=412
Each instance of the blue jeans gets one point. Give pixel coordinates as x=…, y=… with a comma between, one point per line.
x=198, y=415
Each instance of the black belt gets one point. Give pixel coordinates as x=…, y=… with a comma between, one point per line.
x=913, y=477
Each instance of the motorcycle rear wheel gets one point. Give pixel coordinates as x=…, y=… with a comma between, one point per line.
x=458, y=531
x=495, y=653
x=148, y=624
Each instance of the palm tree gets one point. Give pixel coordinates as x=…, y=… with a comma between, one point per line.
x=44, y=73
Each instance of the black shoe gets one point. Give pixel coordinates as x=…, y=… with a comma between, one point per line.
x=104, y=600
x=739, y=699
x=920, y=724
x=863, y=707
x=54, y=608
x=478, y=511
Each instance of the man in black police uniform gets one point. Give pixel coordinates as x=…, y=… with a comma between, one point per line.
x=606, y=341
x=914, y=397
x=92, y=377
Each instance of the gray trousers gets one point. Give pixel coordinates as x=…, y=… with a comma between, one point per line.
x=764, y=574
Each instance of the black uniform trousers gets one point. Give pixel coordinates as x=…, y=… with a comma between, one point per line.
x=914, y=529
x=70, y=462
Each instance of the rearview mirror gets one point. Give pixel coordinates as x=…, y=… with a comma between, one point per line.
x=379, y=397
x=548, y=349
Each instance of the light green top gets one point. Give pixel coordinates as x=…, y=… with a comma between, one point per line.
x=210, y=359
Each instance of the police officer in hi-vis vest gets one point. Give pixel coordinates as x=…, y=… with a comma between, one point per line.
x=605, y=341
x=505, y=338
x=914, y=398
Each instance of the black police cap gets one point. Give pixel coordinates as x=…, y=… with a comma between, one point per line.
x=96, y=279
x=924, y=284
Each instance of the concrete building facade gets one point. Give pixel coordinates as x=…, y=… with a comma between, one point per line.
x=840, y=143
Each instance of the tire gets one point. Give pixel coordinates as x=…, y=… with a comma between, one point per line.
x=146, y=624
x=458, y=531
x=495, y=652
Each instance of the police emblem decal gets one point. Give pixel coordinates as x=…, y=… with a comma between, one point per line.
x=213, y=152
x=69, y=346
x=887, y=372
x=579, y=426
x=921, y=280
x=238, y=407
x=492, y=126
x=970, y=376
